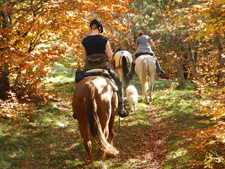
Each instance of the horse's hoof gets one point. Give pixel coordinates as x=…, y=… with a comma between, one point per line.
x=103, y=165
x=111, y=155
x=162, y=75
x=129, y=76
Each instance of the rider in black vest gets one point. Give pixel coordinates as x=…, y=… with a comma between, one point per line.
x=96, y=51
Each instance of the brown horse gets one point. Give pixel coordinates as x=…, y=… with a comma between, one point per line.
x=94, y=104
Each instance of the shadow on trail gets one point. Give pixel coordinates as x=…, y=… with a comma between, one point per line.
x=51, y=139
x=142, y=145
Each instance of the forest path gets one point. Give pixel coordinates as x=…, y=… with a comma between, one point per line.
x=140, y=146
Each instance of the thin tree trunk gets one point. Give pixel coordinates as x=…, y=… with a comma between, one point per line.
x=180, y=71
x=191, y=59
x=179, y=61
x=221, y=75
x=4, y=81
x=4, y=67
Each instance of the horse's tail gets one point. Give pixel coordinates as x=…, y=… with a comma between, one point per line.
x=94, y=121
x=125, y=70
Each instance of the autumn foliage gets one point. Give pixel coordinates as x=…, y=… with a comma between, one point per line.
x=202, y=28
x=34, y=34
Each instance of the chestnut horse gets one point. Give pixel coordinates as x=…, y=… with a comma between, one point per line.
x=94, y=105
x=145, y=68
x=122, y=65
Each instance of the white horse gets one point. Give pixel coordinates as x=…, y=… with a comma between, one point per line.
x=145, y=68
x=122, y=65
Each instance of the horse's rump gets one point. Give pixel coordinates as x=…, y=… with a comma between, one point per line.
x=122, y=65
x=145, y=64
x=92, y=103
x=118, y=58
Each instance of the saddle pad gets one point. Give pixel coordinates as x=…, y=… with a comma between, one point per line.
x=103, y=73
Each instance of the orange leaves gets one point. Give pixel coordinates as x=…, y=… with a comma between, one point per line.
x=212, y=106
x=197, y=8
x=12, y=109
x=35, y=34
x=205, y=19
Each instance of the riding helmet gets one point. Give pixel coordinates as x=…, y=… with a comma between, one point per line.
x=98, y=23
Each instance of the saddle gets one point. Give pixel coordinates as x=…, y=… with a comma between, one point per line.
x=80, y=74
x=143, y=53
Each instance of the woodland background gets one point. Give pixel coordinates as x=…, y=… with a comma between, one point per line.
x=37, y=35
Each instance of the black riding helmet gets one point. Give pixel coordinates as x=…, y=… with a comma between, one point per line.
x=98, y=23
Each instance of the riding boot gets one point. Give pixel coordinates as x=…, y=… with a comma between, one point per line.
x=74, y=116
x=158, y=69
x=132, y=71
x=121, y=108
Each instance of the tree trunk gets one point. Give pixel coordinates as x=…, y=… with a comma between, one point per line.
x=4, y=67
x=221, y=75
x=191, y=59
x=4, y=78
x=180, y=71
x=179, y=61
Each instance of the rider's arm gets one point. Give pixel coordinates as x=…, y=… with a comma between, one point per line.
x=108, y=49
x=84, y=53
x=136, y=46
x=151, y=43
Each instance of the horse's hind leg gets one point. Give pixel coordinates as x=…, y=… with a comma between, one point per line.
x=108, y=132
x=103, y=160
x=150, y=93
x=144, y=87
x=111, y=131
x=151, y=83
x=112, y=118
x=151, y=89
x=86, y=142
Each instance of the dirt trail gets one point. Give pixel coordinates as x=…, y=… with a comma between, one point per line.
x=148, y=151
x=155, y=143
x=151, y=151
